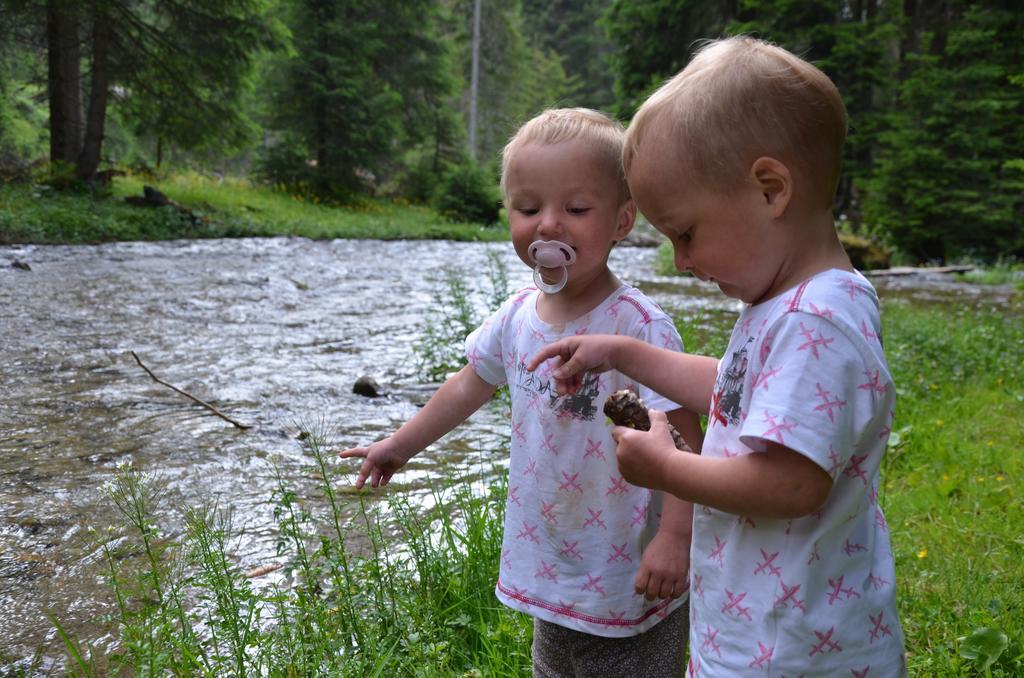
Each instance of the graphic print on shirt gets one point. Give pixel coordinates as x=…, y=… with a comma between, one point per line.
x=727, y=398
x=581, y=404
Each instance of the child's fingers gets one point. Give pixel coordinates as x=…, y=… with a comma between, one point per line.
x=354, y=452
x=545, y=353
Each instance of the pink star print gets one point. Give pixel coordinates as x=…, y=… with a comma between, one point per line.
x=825, y=312
x=833, y=457
x=826, y=644
x=593, y=584
x=866, y=331
x=716, y=553
x=877, y=582
x=872, y=384
x=828, y=404
x=709, y=640
x=594, y=449
x=813, y=343
x=531, y=469
x=547, y=510
x=595, y=519
x=517, y=431
x=854, y=470
x=639, y=515
x=879, y=629
x=838, y=590
x=764, y=656
x=571, y=550
x=733, y=605
x=618, y=486
x=571, y=484
x=777, y=430
x=766, y=565
x=528, y=533
x=852, y=288
x=849, y=548
x=546, y=571
x=788, y=597
x=619, y=553
x=762, y=378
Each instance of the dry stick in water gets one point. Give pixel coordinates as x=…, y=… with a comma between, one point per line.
x=625, y=408
x=188, y=395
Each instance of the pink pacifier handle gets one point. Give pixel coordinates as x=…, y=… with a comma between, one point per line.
x=551, y=254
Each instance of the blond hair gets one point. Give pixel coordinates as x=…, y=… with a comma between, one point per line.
x=605, y=135
x=737, y=100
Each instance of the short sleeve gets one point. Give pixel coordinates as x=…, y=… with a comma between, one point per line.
x=484, y=350
x=806, y=392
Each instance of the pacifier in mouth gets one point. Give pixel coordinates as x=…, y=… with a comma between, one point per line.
x=551, y=254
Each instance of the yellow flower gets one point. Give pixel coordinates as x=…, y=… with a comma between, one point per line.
x=923, y=553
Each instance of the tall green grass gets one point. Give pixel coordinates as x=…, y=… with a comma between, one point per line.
x=384, y=588
x=228, y=207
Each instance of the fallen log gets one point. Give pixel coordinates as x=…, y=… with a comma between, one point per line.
x=916, y=270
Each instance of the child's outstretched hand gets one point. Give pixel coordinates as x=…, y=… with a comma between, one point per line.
x=576, y=355
x=381, y=461
x=642, y=455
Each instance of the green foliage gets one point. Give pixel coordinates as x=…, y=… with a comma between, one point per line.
x=520, y=75
x=191, y=67
x=654, y=39
x=571, y=29
x=366, y=80
x=223, y=208
x=950, y=480
x=469, y=192
x=349, y=603
x=942, y=188
x=440, y=350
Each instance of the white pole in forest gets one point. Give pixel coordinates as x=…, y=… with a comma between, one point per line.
x=474, y=79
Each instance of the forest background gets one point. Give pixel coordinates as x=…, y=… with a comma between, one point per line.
x=348, y=101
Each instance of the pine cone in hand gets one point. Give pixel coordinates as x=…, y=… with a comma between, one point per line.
x=625, y=408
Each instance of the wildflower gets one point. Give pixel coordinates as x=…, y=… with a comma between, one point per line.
x=923, y=553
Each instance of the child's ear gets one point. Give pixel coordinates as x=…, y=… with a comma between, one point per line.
x=775, y=182
x=626, y=219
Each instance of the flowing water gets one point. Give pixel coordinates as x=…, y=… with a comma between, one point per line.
x=273, y=332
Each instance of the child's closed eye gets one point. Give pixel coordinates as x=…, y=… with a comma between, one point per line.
x=577, y=210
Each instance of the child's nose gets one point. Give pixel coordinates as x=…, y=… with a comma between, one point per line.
x=682, y=260
x=549, y=224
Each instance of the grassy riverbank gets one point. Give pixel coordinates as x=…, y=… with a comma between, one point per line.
x=223, y=208
x=391, y=590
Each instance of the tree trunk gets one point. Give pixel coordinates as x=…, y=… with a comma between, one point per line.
x=63, y=80
x=474, y=79
x=89, y=160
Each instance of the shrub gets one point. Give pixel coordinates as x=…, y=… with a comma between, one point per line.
x=469, y=192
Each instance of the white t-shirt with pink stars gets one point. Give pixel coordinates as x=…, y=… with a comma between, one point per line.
x=574, y=529
x=813, y=596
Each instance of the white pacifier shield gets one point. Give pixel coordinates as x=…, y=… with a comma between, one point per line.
x=551, y=254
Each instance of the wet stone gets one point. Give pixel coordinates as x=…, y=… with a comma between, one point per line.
x=367, y=386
